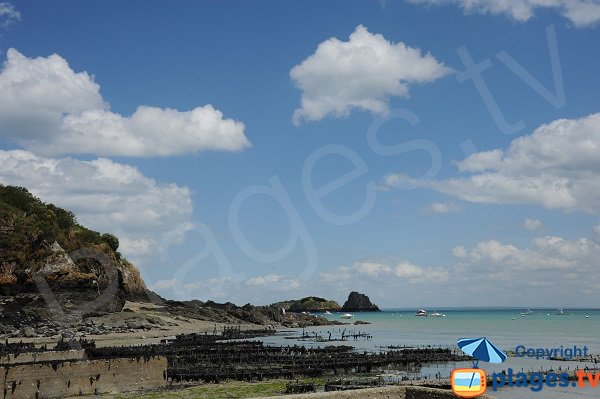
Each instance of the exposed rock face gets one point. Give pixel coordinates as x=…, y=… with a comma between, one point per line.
x=358, y=302
x=52, y=268
x=57, y=262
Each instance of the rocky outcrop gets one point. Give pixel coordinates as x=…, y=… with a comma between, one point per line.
x=58, y=262
x=59, y=277
x=55, y=271
x=358, y=302
x=308, y=304
x=231, y=313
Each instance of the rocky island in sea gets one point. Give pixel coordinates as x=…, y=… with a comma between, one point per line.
x=358, y=302
x=309, y=304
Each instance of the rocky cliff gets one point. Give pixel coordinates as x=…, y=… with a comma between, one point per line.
x=50, y=263
x=308, y=304
x=57, y=276
x=358, y=302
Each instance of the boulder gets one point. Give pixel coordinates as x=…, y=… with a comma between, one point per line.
x=28, y=332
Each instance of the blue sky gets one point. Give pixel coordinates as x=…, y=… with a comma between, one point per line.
x=513, y=203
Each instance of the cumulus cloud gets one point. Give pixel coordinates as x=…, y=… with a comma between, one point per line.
x=544, y=272
x=105, y=195
x=532, y=224
x=361, y=73
x=581, y=13
x=8, y=14
x=557, y=167
x=441, y=207
x=385, y=272
x=49, y=109
x=547, y=253
x=459, y=251
x=274, y=282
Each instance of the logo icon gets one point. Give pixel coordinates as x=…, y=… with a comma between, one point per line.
x=471, y=382
x=468, y=383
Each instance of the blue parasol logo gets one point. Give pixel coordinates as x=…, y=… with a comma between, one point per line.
x=481, y=349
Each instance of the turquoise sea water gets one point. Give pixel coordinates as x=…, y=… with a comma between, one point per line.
x=506, y=328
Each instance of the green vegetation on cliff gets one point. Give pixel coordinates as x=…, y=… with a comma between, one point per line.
x=308, y=304
x=36, y=238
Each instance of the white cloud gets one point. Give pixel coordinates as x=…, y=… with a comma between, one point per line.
x=273, y=282
x=532, y=224
x=164, y=284
x=545, y=253
x=581, y=13
x=217, y=288
x=557, y=167
x=105, y=195
x=363, y=72
x=545, y=272
x=440, y=207
x=8, y=14
x=385, y=272
x=372, y=269
x=459, y=251
x=49, y=109
x=596, y=231
x=408, y=270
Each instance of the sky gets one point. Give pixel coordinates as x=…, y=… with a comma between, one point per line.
x=428, y=153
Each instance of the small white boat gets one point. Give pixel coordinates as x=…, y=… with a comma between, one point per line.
x=421, y=313
x=437, y=314
x=528, y=313
x=347, y=316
x=327, y=312
x=561, y=312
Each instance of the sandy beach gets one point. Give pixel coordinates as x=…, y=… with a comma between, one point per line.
x=172, y=326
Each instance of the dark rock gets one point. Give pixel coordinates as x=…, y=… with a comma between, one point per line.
x=358, y=302
x=308, y=304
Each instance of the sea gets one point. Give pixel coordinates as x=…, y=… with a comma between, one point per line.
x=506, y=328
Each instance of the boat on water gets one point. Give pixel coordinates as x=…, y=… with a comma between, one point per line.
x=421, y=313
x=529, y=312
x=561, y=312
x=347, y=316
x=437, y=314
x=327, y=312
